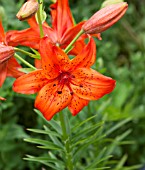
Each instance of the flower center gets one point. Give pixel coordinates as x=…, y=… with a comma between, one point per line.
x=64, y=78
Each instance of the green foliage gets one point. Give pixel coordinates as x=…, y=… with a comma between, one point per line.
x=88, y=140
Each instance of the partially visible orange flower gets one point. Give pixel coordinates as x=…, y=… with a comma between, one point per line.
x=61, y=33
x=8, y=64
x=105, y=18
x=63, y=82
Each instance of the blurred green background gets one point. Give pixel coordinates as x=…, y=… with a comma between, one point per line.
x=120, y=55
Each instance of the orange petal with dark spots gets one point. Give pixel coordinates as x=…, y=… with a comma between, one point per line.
x=62, y=59
x=53, y=58
x=48, y=58
x=91, y=85
x=30, y=83
x=77, y=104
x=86, y=58
x=51, y=100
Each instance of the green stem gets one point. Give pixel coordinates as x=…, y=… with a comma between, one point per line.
x=25, y=62
x=27, y=53
x=39, y=18
x=69, y=47
x=66, y=140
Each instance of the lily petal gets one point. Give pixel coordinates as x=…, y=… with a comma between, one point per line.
x=86, y=58
x=32, y=22
x=70, y=34
x=53, y=58
x=27, y=37
x=91, y=85
x=48, y=58
x=30, y=83
x=62, y=18
x=3, y=72
x=50, y=101
x=2, y=33
x=12, y=68
x=77, y=104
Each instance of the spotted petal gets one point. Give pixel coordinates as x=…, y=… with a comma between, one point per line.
x=77, y=104
x=30, y=83
x=86, y=58
x=91, y=85
x=53, y=58
x=48, y=58
x=50, y=101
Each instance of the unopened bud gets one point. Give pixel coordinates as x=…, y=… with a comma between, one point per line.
x=1, y=98
x=27, y=10
x=105, y=18
x=6, y=52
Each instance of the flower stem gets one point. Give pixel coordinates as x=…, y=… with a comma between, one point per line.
x=66, y=140
x=39, y=18
x=24, y=61
x=69, y=47
x=27, y=53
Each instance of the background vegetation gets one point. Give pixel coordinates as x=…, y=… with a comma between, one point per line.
x=121, y=55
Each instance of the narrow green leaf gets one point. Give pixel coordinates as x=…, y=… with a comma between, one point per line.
x=117, y=126
x=82, y=148
x=54, y=138
x=47, y=144
x=90, y=138
x=82, y=123
x=121, y=162
x=86, y=131
x=50, y=147
x=54, y=157
x=44, y=132
x=97, y=162
x=116, y=141
x=99, y=168
x=43, y=161
x=53, y=123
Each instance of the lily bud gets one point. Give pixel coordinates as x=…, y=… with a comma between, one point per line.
x=6, y=52
x=1, y=98
x=27, y=10
x=105, y=18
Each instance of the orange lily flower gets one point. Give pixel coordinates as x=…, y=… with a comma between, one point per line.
x=64, y=82
x=8, y=64
x=62, y=32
